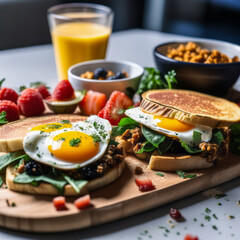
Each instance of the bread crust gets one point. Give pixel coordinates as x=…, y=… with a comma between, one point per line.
x=12, y=134
x=191, y=107
x=48, y=189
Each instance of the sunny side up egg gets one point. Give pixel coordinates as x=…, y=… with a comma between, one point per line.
x=68, y=145
x=170, y=127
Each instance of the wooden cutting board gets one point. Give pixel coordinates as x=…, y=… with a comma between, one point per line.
x=117, y=200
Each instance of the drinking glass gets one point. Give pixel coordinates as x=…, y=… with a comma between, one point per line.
x=80, y=32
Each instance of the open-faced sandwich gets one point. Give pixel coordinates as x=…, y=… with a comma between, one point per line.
x=69, y=158
x=179, y=129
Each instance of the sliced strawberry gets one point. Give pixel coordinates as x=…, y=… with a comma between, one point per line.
x=92, y=102
x=115, y=106
x=60, y=203
x=145, y=184
x=11, y=110
x=190, y=237
x=82, y=202
x=63, y=91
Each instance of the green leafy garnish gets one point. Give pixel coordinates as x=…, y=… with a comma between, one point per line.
x=65, y=121
x=3, y=119
x=197, y=138
x=159, y=174
x=96, y=138
x=1, y=81
x=190, y=149
x=217, y=138
x=37, y=84
x=152, y=79
x=9, y=158
x=76, y=184
x=75, y=142
x=153, y=137
x=220, y=195
x=1, y=182
x=235, y=138
x=165, y=145
x=123, y=125
x=113, y=142
x=147, y=147
x=25, y=178
x=182, y=174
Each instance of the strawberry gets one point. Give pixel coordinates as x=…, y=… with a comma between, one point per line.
x=115, y=106
x=145, y=184
x=8, y=93
x=92, y=102
x=11, y=110
x=63, y=91
x=42, y=89
x=30, y=103
x=82, y=202
x=59, y=203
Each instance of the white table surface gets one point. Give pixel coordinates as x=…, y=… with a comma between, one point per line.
x=21, y=66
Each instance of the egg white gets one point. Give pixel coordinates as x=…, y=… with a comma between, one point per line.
x=148, y=120
x=36, y=143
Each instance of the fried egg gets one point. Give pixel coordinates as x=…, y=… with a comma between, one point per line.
x=68, y=145
x=170, y=127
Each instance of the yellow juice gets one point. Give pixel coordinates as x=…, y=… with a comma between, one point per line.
x=76, y=42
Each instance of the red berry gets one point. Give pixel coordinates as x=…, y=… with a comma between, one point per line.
x=8, y=94
x=30, y=103
x=145, y=184
x=175, y=214
x=190, y=237
x=115, y=106
x=59, y=203
x=43, y=91
x=63, y=91
x=92, y=102
x=11, y=110
x=82, y=202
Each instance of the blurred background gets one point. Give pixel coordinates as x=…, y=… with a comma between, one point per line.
x=24, y=22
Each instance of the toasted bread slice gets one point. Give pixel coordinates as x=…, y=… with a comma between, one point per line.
x=48, y=189
x=12, y=134
x=191, y=107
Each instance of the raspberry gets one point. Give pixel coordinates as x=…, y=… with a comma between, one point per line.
x=63, y=91
x=11, y=110
x=8, y=94
x=30, y=103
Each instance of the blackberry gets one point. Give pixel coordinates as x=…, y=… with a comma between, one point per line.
x=120, y=75
x=89, y=172
x=33, y=168
x=100, y=73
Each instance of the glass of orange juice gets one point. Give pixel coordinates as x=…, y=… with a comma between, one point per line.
x=80, y=32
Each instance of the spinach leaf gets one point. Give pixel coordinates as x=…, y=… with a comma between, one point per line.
x=153, y=137
x=77, y=185
x=190, y=149
x=1, y=182
x=235, y=138
x=182, y=174
x=124, y=124
x=217, y=138
x=197, y=137
x=8, y=158
x=165, y=145
x=147, y=147
x=3, y=119
x=25, y=178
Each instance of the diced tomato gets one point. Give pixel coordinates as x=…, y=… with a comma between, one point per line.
x=145, y=184
x=190, y=237
x=92, y=103
x=82, y=202
x=60, y=203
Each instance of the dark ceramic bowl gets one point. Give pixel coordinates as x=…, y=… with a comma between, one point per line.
x=215, y=79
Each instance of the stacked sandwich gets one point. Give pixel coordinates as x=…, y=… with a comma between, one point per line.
x=179, y=129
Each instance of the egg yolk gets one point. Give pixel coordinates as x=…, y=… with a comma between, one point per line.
x=172, y=124
x=51, y=127
x=72, y=146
